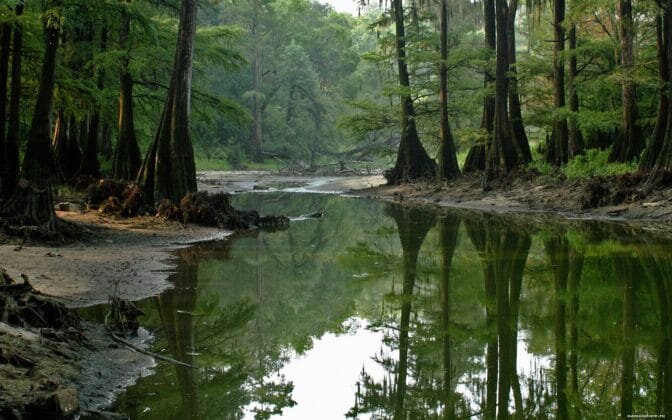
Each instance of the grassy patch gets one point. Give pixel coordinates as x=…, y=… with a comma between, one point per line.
x=591, y=164
x=594, y=163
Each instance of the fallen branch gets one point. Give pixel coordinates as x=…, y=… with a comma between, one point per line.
x=148, y=353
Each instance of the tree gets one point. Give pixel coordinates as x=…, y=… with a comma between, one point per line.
x=448, y=167
x=5, y=43
x=475, y=160
x=655, y=145
x=256, y=138
x=557, y=151
x=126, y=158
x=515, y=112
x=413, y=162
x=32, y=201
x=664, y=158
x=630, y=142
x=501, y=153
x=575, y=137
x=11, y=152
x=90, y=163
x=168, y=171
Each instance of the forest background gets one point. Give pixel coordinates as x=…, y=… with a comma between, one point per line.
x=295, y=84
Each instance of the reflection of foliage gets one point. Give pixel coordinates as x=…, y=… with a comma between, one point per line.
x=267, y=298
x=273, y=398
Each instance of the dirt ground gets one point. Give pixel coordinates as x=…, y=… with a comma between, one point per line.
x=130, y=258
x=624, y=198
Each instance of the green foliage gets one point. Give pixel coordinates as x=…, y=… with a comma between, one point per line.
x=594, y=163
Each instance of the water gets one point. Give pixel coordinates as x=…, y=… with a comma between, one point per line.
x=379, y=311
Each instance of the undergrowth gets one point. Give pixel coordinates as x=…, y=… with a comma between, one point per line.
x=591, y=164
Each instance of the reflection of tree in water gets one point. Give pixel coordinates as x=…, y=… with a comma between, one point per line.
x=176, y=307
x=598, y=327
x=227, y=374
x=390, y=397
x=503, y=248
x=566, y=264
x=448, y=232
x=657, y=265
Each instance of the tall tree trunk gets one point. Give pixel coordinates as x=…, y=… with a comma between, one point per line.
x=575, y=137
x=126, y=158
x=448, y=167
x=630, y=142
x=664, y=158
x=657, y=138
x=13, y=124
x=32, y=201
x=520, y=141
x=169, y=171
x=413, y=162
x=501, y=156
x=475, y=160
x=90, y=163
x=66, y=145
x=557, y=151
x=105, y=145
x=5, y=39
x=257, y=105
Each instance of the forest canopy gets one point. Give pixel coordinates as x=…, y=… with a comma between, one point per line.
x=492, y=86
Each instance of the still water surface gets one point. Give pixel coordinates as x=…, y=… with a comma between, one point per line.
x=379, y=311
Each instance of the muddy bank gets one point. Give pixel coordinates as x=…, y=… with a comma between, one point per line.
x=617, y=198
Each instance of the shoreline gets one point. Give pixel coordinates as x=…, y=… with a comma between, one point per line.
x=131, y=258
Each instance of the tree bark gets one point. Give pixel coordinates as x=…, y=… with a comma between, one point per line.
x=475, y=160
x=520, y=141
x=575, y=137
x=90, y=163
x=413, y=162
x=630, y=142
x=5, y=39
x=501, y=156
x=657, y=138
x=32, y=201
x=557, y=151
x=257, y=105
x=664, y=158
x=448, y=167
x=13, y=124
x=169, y=171
x=126, y=158
x=66, y=145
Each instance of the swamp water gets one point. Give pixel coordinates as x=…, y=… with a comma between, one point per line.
x=381, y=311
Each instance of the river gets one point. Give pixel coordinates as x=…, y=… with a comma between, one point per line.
x=381, y=311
